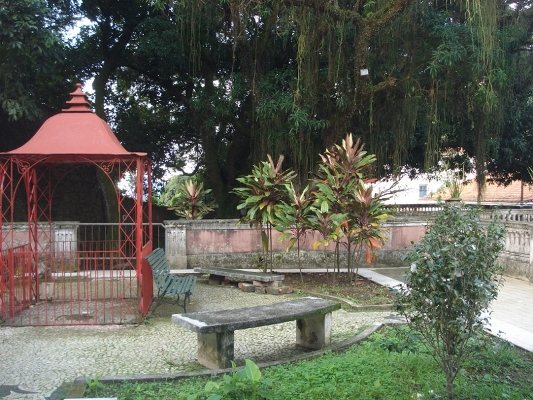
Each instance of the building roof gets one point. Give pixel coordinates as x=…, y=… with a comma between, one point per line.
x=74, y=135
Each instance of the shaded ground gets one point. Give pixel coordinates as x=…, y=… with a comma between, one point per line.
x=361, y=291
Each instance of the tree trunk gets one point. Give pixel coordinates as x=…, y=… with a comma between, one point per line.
x=449, y=386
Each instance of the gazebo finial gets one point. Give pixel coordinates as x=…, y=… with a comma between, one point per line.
x=78, y=102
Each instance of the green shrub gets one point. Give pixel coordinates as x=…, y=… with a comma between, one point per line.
x=453, y=279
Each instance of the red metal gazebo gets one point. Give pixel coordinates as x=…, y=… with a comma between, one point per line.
x=51, y=273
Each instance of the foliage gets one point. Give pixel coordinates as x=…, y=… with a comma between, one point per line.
x=191, y=200
x=220, y=80
x=453, y=278
x=94, y=384
x=404, y=340
x=261, y=194
x=31, y=52
x=170, y=189
x=342, y=208
x=292, y=218
x=367, y=371
x=455, y=165
x=342, y=189
x=245, y=383
x=226, y=83
x=262, y=191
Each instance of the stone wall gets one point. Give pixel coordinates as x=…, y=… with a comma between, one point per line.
x=57, y=237
x=224, y=243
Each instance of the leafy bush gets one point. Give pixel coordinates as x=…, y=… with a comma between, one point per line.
x=192, y=201
x=453, y=279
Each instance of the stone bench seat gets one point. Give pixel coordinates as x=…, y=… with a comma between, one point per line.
x=216, y=275
x=216, y=329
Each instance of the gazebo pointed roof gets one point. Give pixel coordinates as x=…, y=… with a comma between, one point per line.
x=74, y=135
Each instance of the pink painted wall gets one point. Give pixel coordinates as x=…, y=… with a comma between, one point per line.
x=400, y=237
x=244, y=240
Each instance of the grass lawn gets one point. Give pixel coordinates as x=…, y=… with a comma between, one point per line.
x=389, y=365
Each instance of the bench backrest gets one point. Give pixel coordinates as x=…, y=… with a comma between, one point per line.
x=161, y=273
x=160, y=267
x=158, y=262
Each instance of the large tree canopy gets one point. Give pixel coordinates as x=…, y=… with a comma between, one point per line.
x=224, y=83
x=33, y=68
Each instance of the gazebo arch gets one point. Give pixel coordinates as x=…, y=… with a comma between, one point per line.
x=50, y=273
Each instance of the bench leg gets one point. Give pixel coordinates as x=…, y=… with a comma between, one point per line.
x=185, y=301
x=216, y=280
x=314, y=332
x=216, y=350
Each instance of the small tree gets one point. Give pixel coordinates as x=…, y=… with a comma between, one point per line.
x=453, y=278
x=454, y=166
x=369, y=213
x=261, y=193
x=342, y=189
x=325, y=222
x=292, y=218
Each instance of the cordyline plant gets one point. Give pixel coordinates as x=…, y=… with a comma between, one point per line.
x=369, y=213
x=192, y=200
x=342, y=190
x=453, y=279
x=261, y=193
x=341, y=205
x=292, y=218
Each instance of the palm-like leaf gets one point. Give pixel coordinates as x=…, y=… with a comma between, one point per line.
x=261, y=194
x=192, y=200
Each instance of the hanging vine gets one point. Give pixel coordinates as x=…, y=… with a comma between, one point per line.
x=485, y=104
x=314, y=70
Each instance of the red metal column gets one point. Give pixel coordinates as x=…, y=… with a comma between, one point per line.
x=30, y=182
x=142, y=249
x=139, y=178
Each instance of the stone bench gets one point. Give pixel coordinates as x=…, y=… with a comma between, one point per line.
x=217, y=276
x=216, y=329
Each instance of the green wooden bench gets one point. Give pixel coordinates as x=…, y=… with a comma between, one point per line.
x=168, y=284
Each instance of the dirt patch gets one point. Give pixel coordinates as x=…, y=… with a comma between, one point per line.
x=359, y=290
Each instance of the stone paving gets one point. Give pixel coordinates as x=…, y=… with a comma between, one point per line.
x=510, y=317
x=35, y=361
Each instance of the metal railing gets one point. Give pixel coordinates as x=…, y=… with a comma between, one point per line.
x=85, y=275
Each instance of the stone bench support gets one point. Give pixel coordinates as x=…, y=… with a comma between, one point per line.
x=217, y=275
x=215, y=329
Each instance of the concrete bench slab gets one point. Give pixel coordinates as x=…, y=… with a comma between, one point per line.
x=215, y=329
x=217, y=275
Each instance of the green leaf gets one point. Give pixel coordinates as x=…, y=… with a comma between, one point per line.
x=285, y=236
x=291, y=244
x=252, y=371
x=210, y=386
x=320, y=242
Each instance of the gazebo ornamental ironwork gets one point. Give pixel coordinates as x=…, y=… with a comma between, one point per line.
x=51, y=272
